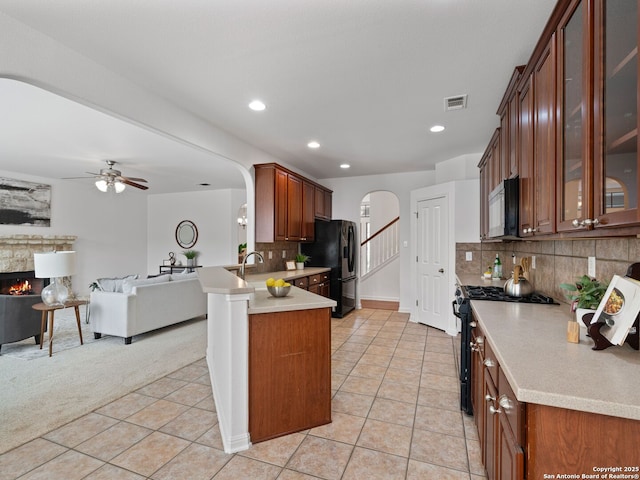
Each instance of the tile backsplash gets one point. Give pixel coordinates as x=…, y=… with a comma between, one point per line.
x=557, y=261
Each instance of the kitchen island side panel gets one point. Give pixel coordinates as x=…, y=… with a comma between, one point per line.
x=289, y=372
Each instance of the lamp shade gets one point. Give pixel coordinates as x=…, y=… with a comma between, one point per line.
x=54, y=264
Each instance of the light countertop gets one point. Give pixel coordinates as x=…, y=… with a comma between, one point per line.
x=530, y=344
x=286, y=275
x=220, y=281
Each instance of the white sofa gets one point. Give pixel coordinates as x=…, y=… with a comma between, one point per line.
x=146, y=304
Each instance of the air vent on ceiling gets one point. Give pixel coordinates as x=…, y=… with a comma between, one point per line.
x=455, y=103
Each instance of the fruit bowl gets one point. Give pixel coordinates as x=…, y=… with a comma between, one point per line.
x=279, y=291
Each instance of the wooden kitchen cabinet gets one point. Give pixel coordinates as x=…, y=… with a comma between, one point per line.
x=574, y=149
x=508, y=112
x=318, y=284
x=322, y=207
x=484, y=198
x=616, y=172
x=286, y=205
x=499, y=417
x=544, y=141
x=525, y=157
x=289, y=372
x=576, y=140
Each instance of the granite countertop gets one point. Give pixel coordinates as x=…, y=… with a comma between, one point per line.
x=530, y=343
x=221, y=281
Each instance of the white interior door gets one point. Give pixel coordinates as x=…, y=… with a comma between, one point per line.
x=433, y=260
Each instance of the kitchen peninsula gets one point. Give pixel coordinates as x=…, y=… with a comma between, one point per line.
x=268, y=358
x=559, y=407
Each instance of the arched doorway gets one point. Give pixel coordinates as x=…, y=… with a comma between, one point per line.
x=379, y=271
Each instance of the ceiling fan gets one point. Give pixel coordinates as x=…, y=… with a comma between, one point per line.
x=110, y=179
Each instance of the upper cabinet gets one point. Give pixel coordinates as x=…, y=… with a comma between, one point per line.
x=616, y=174
x=569, y=128
x=286, y=205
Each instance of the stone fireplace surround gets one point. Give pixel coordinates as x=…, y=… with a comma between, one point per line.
x=16, y=251
x=17, y=319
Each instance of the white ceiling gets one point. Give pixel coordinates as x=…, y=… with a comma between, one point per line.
x=365, y=78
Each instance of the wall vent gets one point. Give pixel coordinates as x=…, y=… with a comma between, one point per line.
x=455, y=103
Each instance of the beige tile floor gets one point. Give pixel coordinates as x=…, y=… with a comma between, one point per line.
x=395, y=416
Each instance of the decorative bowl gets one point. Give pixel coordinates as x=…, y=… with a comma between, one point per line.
x=279, y=291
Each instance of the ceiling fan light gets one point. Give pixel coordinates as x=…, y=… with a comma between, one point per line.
x=102, y=185
x=119, y=186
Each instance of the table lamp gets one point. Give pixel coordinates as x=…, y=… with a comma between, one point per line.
x=54, y=265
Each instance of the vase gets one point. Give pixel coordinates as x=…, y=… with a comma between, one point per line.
x=191, y=262
x=299, y=265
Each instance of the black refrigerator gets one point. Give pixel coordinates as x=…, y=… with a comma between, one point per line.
x=336, y=247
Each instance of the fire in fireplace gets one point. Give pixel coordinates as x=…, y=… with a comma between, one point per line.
x=21, y=283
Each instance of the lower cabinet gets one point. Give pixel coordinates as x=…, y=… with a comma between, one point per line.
x=318, y=284
x=556, y=440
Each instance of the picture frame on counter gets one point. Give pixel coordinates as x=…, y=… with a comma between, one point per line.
x=291, y=265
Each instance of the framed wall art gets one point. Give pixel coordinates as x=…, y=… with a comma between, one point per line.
x=24, y=203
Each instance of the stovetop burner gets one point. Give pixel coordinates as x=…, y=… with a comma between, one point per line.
x=497, y=294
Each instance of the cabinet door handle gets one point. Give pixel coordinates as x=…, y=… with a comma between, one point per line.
x=493, y=410
x=489, y=363
x=505, y=402
x=489, y=398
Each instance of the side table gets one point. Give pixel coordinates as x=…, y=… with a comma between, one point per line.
x=49, y=310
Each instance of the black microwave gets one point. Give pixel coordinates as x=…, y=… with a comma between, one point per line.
x=504, y=207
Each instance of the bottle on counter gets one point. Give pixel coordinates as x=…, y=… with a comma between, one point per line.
x=497, y=267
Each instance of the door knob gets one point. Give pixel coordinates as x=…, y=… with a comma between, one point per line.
x=441, y=270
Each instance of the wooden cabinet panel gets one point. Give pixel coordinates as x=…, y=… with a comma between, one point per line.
x=525, y=158
x=289, y=372
x=484, y=198
x=282, y=202
x=308, y=212
x=544, y=138
x=489, y=435
x=508, y=112
x=302, y=283
x=323, y=207
x=510, y=461
x=294, y=208
x=559, y=438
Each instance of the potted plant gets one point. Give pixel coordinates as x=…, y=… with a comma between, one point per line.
x=584, y=295
x=191, y=257
x=301, y=259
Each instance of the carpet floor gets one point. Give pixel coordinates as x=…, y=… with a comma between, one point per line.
x=40, y=393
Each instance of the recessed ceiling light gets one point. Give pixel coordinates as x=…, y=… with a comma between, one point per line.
x=437, y=128
x=257, y=105
x=345, y=165
x=204, y=184
x=313, y=144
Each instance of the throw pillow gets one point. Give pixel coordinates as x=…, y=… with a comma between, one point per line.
x=113, y=284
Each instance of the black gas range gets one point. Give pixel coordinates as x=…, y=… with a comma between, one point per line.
x=497, y=294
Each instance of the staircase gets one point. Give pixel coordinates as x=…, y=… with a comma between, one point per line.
x=379, y=249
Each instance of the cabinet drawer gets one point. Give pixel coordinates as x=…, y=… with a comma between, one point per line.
x=302, y=282
x=315, y=279
x=512, y=409
x=490, y=362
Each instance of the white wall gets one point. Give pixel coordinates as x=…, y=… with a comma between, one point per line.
x=348, y=193
x=214, y=214
x=111, y=229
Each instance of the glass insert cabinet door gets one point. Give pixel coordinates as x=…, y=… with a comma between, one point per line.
x=616, y=106
x=574, y=153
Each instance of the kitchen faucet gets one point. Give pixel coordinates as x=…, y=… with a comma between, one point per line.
x=244, y=261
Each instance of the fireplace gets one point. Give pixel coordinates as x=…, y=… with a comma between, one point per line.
x=21, y=283
x=19, y=291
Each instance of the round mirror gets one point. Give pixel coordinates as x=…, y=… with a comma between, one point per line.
x=186, y=234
